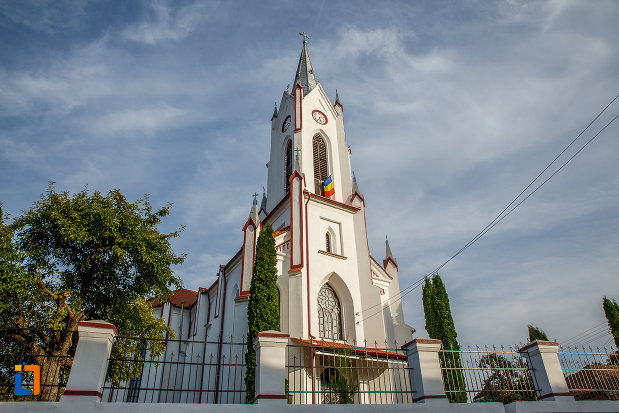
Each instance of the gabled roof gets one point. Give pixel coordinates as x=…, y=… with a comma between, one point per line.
x=357, y=351
x=180, y=298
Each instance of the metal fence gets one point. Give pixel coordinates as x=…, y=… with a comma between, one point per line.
x=44, y=348
x=175, y=371
x=487, y=374
x=591, y=373
x=329, y=372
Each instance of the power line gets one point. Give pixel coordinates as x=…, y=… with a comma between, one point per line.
x=587, y=331
x=584, y=338
x=502, y=215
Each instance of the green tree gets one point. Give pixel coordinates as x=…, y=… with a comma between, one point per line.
x=611, y=310
x=440, y=326
x=73, y=258
x=536, y=333
x=263, y=308
x=509, y=381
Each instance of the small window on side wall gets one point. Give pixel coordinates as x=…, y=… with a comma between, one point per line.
x=328, y=247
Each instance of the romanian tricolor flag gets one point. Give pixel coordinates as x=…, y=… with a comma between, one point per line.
x=328, y=186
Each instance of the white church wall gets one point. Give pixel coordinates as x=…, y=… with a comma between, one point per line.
x=276, y=167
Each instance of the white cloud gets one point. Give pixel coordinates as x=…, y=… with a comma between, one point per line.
x=144, y=120
x=166, y=23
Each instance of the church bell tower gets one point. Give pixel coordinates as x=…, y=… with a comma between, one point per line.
x=330, y=286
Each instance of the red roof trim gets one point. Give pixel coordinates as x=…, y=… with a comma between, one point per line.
x=386, y=261
x=333, y=345
x=331, y=201
x=281, y=231
x=94, y=324
x=536, y=342
x=83, y=393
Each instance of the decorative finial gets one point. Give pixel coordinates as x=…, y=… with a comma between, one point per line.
x=305, y=37
x=255, y=195
x=264, y=190
x=337, y=97
x=297, y=150
x=354, y=178
x=287, y=87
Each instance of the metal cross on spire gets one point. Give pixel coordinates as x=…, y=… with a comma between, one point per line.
x=305, y=36
x=255, y=195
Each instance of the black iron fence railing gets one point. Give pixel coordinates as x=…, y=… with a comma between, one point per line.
x=591, y=373
x=35, y=363
x=487, y=374
x=333, y=372
x=175, y=371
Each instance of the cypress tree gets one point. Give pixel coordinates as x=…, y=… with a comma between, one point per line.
x=536, y=333
x=263, y=308
x=611, y=310
x=440, y=326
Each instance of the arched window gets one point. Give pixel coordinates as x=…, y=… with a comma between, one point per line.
x=321, y=171
x=288, y=163
x=329, y=314
x=328, y=242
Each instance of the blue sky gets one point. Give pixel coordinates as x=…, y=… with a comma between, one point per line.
x=451, y=108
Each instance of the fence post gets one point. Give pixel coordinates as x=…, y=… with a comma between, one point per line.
x=425, y=371
x=91, y=359
x=271, y=367
x=544, y=362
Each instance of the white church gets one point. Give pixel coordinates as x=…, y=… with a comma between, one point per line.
x=331, y=289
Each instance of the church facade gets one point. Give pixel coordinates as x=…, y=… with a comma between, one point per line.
x=331, y=289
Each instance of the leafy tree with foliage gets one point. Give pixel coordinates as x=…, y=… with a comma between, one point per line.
x=508, y=382
x=341, y=380
x=440, y=326
x=535, y=333
x=263, y=308
x=74, y=258
x=611, y=310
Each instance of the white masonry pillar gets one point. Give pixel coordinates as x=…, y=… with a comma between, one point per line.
x=425, y=374
x=271, y=367
x=544, y=363
x=90, y=361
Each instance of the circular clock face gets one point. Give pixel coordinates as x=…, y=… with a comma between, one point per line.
x=286, y=124
x=320, y=117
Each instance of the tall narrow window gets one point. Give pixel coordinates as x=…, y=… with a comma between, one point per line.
x=328, y=242
x=321, y=171
x=329, y=314
x=288, y=163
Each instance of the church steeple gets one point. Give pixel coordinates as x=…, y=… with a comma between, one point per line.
x=305, y=75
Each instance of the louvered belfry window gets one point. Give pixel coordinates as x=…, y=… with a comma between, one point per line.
x=288, y=163
x=321, y=171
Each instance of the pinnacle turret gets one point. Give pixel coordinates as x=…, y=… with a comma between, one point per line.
x=263, y=204
x=355, y=188
x=274, y=112
x=388, y=254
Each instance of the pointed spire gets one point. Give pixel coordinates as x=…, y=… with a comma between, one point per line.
x=253, y=213
x=388, y=253
x=305, y=73
x=263, y=204
x=274, y=112
x=355, y=188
